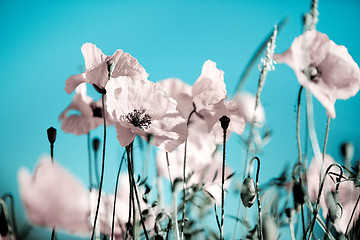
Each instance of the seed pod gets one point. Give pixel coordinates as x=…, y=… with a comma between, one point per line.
x=224, y=121
x=51, y=133
x=248, y=192
x=289, y=212
x=96, y=144
x=298, y=193
x=334, y=205
x=347, y=150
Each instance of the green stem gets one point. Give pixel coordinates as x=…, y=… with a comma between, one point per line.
x=102, y=169
x=184, y=180
x=115, y=196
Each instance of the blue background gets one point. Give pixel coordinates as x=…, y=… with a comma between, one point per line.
x=40, y=49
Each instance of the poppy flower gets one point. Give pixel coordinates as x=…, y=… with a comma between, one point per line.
x=89, y=116
x=54, y=197
x=347, y=192
x=323, y=67
x=97, y=68
x=143, y=108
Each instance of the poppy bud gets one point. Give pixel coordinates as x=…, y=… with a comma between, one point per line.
x=334, y=205
x=96, y=144
x=110, y=66
x=347, y=150
x=298, y=194
x=224, y=121
x=270, y=228
x=248, y=192
x=4, y=228
x=51, y=133
x=289, y=212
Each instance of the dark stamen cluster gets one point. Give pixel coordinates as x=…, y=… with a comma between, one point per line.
x=313, y=72
x=138, y=118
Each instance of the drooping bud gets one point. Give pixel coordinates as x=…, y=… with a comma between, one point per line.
x=51, y=133
x=270, y=228
x=347, y=150
x=224, y=121
x=298, y=194
x=334, y=205
x=248, y=192
x=290, y=212
x=4, y=228
x=96, y=144
x=110, y=67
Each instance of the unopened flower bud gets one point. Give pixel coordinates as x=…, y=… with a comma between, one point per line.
x=224, y=121
x=289, y=212
x=96, y=144
x=347, y=150
x=298, y=194
x=270, y=228
x=248, y=192
x=110, y=66
x=51, y=133
x=334, y=205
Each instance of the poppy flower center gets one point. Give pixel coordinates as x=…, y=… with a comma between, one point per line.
x=313, y=72
x=138, y=118
x=97, y=111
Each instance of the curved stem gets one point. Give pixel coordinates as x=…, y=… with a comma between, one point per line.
x=184, y=179
x=102, y=169
x=12, y=209
x=116, y=188
x=257, y=194
x=10, y=231
x=299, y=150
x=316, y=210
x=168, y=167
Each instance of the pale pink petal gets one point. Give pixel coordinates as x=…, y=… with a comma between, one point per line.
x=73, y=81
x=128, y=66
x=246, y=105
x=54, y=197
x=124, y=135
x=209, y=89
x=92, y=55
x=335, y=75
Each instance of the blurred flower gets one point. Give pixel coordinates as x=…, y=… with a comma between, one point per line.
x=97, y=68
x=237, y=122
x=143, y=108
x=90, y=116
x=348, y=194
x=323, y=67
x=54, y=197
x=246, y=105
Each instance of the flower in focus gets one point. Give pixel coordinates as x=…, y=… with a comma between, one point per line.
x=143, y=108
x=323, y=67
x=90, y=116
x=348, y=194
x=97, y=68
x=54, y=197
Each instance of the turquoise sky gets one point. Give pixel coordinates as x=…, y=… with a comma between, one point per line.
x=40, y=49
